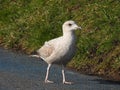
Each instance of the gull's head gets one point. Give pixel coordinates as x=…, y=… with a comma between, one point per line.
x=70, y=26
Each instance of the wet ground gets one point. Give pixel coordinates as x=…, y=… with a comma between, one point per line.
x=21, y=72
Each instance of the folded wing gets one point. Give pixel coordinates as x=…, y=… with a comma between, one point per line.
x=46, y=50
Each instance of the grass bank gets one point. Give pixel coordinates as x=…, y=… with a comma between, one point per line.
x=26, y=24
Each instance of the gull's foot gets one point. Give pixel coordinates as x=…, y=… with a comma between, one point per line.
x=48, y=81
x=69, y=83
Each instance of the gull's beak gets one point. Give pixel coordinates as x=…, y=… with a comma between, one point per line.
x=79, y=28
x=76, y=27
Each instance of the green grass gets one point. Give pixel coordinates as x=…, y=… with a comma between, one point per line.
x=26, y=24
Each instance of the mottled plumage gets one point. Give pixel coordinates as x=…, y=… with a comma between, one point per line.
x=60, y=50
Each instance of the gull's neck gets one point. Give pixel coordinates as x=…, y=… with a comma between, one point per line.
x=69, y=35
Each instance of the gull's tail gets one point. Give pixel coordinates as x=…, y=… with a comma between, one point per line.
x=37, y=56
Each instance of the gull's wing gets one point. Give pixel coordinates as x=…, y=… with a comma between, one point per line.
x=46, y=50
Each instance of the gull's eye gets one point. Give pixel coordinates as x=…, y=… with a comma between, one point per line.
x=69, y=24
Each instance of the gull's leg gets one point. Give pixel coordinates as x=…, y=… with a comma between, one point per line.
x=63, y=74
x=47, y=73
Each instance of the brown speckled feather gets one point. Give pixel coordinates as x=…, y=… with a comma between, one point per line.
x=46, y=50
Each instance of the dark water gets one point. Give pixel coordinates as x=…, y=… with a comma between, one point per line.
x=21, y=72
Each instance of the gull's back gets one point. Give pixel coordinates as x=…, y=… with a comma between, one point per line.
x=58, y=50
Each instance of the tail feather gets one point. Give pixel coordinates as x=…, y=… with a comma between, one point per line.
x=37, y=56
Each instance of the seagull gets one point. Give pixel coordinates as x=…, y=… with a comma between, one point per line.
x=59, y=50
